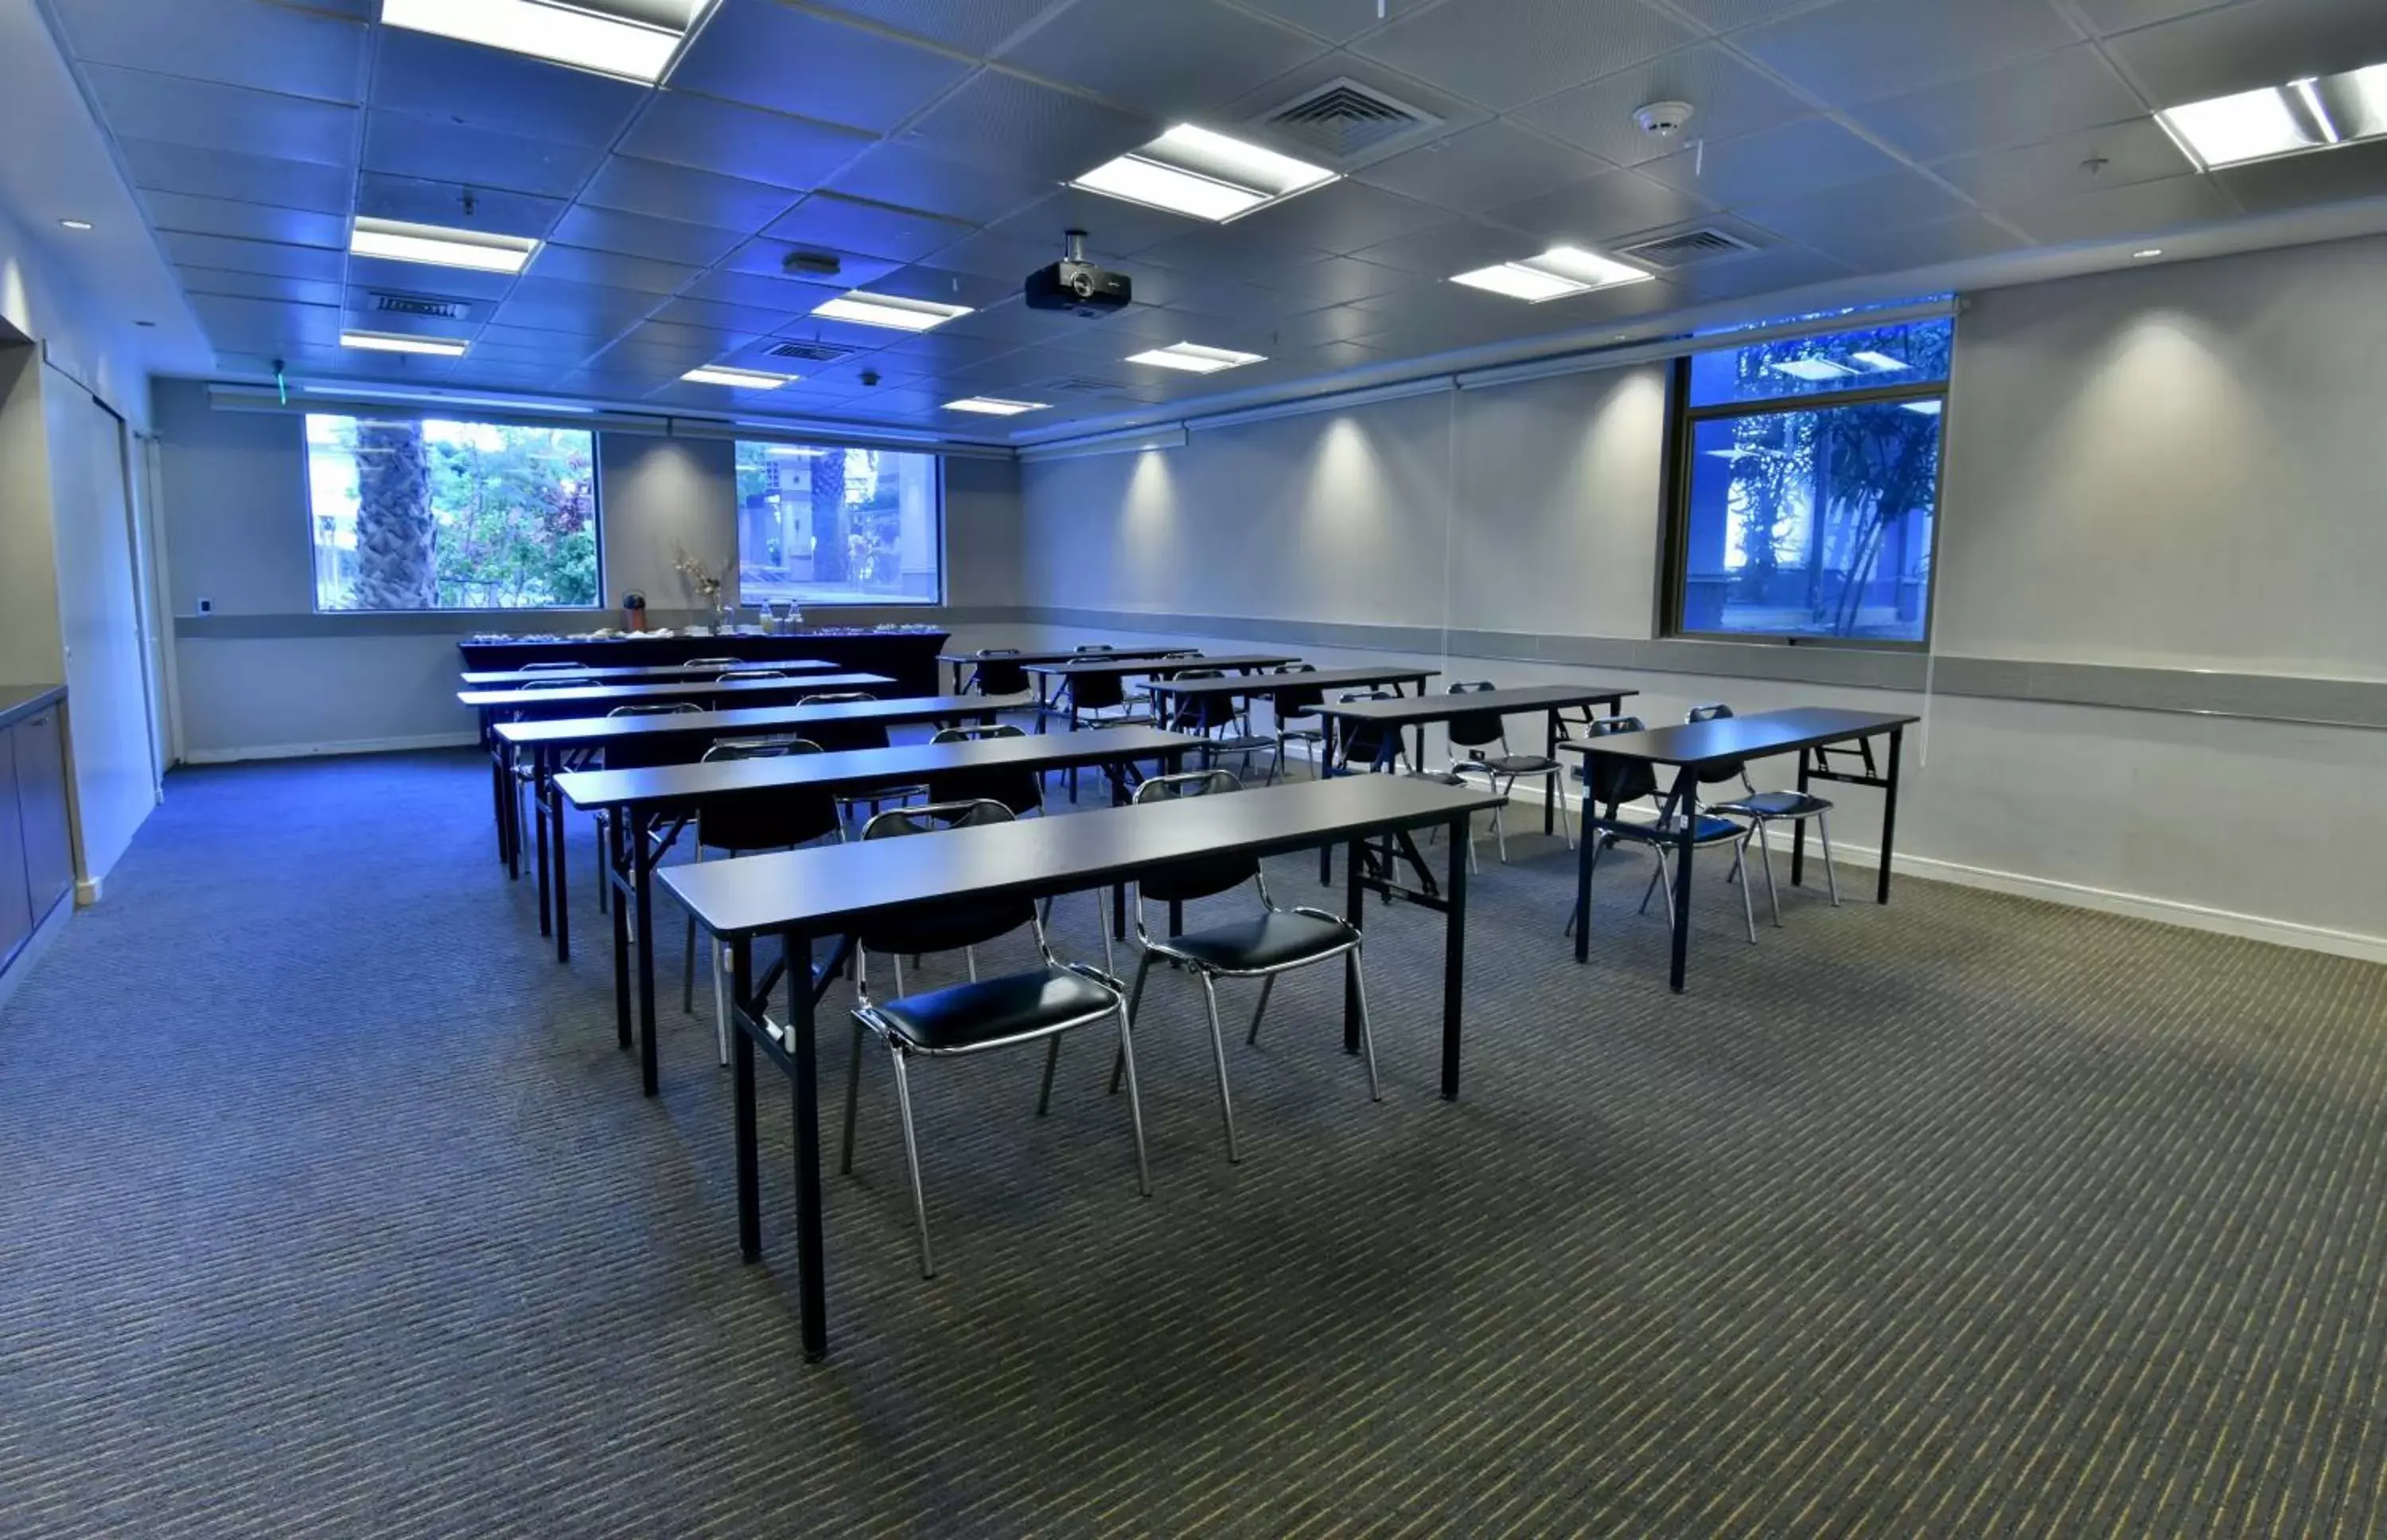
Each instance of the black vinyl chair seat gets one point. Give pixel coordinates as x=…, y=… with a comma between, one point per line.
x=990, y=1012
x=1519, y=764
x=1264, y=943
x=1707, y=830
x=1440, y=777
x=1774, y=805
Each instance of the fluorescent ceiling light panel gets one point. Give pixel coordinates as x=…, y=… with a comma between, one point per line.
x=1880, y=363
x=1194, y=358
x=884, y=309
x=2307, y=93
x=632, y=39
x=738, y=379
x=2250, y=125
x=1210, y=176
x=400, y=242
x=994, y=405
x=390, y=342
x=790, y=452
x=1814, y=371
x=1555, y=274
x=1929, y=408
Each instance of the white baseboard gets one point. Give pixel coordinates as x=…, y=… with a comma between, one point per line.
x=354, y=746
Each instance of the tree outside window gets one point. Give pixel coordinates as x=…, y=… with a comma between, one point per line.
x=819, y=525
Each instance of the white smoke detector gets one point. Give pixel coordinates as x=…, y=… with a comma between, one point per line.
x=1663, y=119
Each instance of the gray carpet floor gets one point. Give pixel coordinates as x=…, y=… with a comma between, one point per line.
x=328, y=1208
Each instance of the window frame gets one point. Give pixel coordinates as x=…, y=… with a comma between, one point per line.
x=1683, y=421
x=738, y=555
x=413, y=414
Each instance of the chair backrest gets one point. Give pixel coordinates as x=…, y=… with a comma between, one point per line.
x=1200, y=713
x=714, y=662
x=644, y=754
x=655, y=708
x=1202, y=875
x=992, y=675
x=544, y=668
x=1096, y=692
x=1716, y=711
x=1476, y=729
x=765, y=819
x=844, y=734
x=1365, y=742
x=752, y=673
x=1015, y=786
x=1614, y=782
x=946, y=926
x=1094, y=647
x=551, y=684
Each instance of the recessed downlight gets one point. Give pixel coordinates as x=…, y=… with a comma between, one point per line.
x=1193, y=358
x=1203, y=174
x=393, y=342
x=893, y=312
x=738, y=379
x=634, y=40
x=994, y=405
x=399, y=241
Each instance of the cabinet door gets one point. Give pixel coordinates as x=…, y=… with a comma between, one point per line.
x=16, y=913
x=42, y=793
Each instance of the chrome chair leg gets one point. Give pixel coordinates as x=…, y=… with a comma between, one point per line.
x=1259, y=1010
x=912, y=1160
x=1765, y=854
x=1219, y=1052
x=1134, y=1105
x=1367, y=1033
x=1052, y=1061
x=720, y=996
x=1135, y=999
x=1823, y=831
x=688, y=970
x=1747, y=909
x=853, y=1096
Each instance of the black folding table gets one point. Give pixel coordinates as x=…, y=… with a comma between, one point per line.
x=503, y=678
x=831, y=889
x=960, y=662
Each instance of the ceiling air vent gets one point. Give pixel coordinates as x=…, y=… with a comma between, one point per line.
x=813, y=352
x=421, y=305
x=1076, y=385
x=1344, y=118
x=1686, y=248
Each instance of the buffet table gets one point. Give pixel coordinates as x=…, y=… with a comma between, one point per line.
x=908, y=655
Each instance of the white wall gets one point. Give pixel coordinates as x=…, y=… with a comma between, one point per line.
x=2166, y=469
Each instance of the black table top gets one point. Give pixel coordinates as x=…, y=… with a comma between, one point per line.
x=1112, y=662
x=906, y=763
x=747, y=720
x=1728, y=738
x=827, y=888
x=1416, y=709
x=608, y=696
x=501, y=678
x=1056, y=655
x=1268, y=684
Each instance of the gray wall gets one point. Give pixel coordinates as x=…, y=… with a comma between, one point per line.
x=264, y=674
x=2151, y=474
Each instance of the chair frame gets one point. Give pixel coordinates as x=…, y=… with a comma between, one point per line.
x=1660, y=835
x=1758, y=818
x=1503, y=783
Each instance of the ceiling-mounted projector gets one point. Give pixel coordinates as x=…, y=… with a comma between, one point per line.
x=1078, y=286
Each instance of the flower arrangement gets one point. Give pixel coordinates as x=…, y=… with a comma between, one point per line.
x=706, y=581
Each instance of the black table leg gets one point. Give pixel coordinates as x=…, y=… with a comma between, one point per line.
x=1325, y=768
x=562, y=908
x=1888, y=811
x=496, y=783
x=512, y=829
x=1798, y=826
x=643, y=863
x=1453, y=956
x=813, y=1286
x=1558, y=786
x=1119, y=798
x=1685, y=805
x=1354, y=900
x=1583, y=856
x=538, y=816
x=742, y=1063
x=621, y=928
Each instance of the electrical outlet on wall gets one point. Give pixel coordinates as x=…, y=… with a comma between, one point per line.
x=207, y=606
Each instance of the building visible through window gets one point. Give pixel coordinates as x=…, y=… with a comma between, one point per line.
x=819, y=525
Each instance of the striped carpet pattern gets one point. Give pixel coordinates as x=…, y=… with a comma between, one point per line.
x=330, y=1209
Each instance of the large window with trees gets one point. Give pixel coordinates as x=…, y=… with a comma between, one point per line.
x=1806, y=487
x=420, y=514
x=821, y=525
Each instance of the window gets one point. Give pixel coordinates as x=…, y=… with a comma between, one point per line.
x=414, y=513
x=824, y=526
x=1808, y=486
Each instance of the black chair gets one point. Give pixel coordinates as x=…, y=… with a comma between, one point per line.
x=1288, y=705
x=1613, y=784
x=993, y=674
x=1366, y=745
x=841, y=737
x=1485, y=735
x=1762, y=808
x=983, y=1014
x=1017, y=788
x=524, y=772
x=635, y=756
x=695, y=663
x=547, y=668
x=1271, y=942
x=1218, y=720
x=734, y=823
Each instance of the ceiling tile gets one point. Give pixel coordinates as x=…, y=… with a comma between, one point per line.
x=160, y=166
x=974, y=27
x=1335, y=280
x=770, y=147
x=588, y=308
x=580, y=265
x=1600, y=208
x=2107, y=16
x=762, y=291
x=501, y=92
x=765, y=257
x=1335, y=324
x=768, y=56
x=1506, y=53
x=1341, y=217
x=1960, y=239
x=1187, y=57
x=721, y=319
x=2142, y=208
x=1770, y=271
x=232, y=321
x=230, y=42
x=141, y=105
x=1728, y=96
x=381, y=197
x=1857, y=50
x=1028, y=129
x=1879, y=203
x=255, y=222
x=1335, y=20
x=2022, y=104
x=637, y=235
x=2260, y=42
x=2301, y=180
x=990, y=255
x=939, y=348
x=399, y=144
x=1474, y=170
x=1726, y=15
x=1221, y=249
x=237, y=256
x=1457, y=246
x=261, y=286
x=875, y=229
x=2114, y=155
x=1114, y=228
x=943, y=286
x=650, y=187
x=906, y=175
x=1796, y=158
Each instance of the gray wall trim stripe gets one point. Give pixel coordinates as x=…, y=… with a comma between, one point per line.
x=219, y=628
x=2254, y=697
